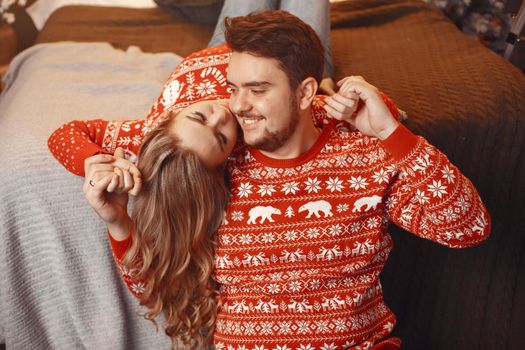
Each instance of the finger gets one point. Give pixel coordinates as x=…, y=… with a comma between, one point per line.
x=333, y=113
x=98, y=167
x=95, y=194
x=113, y=184
x=336, y=105
x=120, y=175
x=345, y=101
x=128, y=181
x=93, y=178
x=125, y=164
x=119, y=152
x=98, y=158
x=137, y=186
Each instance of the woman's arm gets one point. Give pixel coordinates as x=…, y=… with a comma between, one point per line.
x=74, y=142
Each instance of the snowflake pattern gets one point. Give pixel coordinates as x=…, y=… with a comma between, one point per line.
x=425, y=179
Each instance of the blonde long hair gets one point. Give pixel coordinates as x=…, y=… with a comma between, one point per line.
x=176, y=214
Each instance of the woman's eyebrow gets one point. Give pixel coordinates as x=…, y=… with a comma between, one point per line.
x=200, y=122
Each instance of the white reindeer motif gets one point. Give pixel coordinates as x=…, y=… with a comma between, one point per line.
x=238, y=308
x=332, y=303
x=329, y=254
x=267, y=307
x=300, y=307
x=293, y=256
x=479, y=224
x=421, y=163
x=255, y=260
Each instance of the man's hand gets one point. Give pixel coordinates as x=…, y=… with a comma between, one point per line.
x=372, y=119
x=109, y=180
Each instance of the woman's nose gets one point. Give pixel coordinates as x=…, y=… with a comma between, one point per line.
x=221, y=115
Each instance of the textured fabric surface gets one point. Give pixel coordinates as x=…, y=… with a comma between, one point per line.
x=462, y=97
x=56, y=289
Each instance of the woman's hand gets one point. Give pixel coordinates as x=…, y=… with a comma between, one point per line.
x=109, y=180
x=372, y=119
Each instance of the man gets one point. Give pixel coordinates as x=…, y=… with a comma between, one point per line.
x=304, y=240
x=304, y=237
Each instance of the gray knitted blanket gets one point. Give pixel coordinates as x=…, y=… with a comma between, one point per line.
x=59, y=288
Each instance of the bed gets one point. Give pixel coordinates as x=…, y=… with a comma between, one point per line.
x=59, y=288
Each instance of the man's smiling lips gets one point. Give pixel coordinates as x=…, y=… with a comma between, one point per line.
x=249, y=121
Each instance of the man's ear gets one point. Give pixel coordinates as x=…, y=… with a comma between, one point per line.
x=306, y=92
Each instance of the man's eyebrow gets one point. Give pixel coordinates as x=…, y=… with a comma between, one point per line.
x=252, y=83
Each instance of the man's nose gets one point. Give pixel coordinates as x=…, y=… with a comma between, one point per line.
x=239, y=103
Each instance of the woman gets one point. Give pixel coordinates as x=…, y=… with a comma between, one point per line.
x=171, y=235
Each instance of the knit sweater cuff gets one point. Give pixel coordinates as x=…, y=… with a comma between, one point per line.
x=400, y=143
x=119, y=247
x=87, y=150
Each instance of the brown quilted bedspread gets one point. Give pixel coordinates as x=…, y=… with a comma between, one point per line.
x=462, y=97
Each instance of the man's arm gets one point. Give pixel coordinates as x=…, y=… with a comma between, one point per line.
x=429, y=197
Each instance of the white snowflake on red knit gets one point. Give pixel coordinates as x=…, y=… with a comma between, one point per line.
x=237, y=216
x=137, y=140
x=323, y=163
x=373, y=222
x=244, y=189
x=340, y=325
x=282, y=347
x=285, y=327
x=290, y=235
x=357, y=182
x=322, y=326
x=334, y=184
x=463, y=204
x=342, y=207
x=245, y=238
x=271, y=172
x=260, y=347
x=341, y=161
x=312, y=232
x=307, y=167
x=206, y=88
x=137, y=288
x=303, y=327
x=355, y=226
x=266, y=328
x=380, y=176
x=290, y=187
x=421, y=197
x=267, y=237
x=437, y=189
x=295, y=286
x=274, y=288
x=249, y=328
x=335, y=230
x=314, y=284
x=450, y=215
x=265, y=189
x=448, y=174
x=312, y=185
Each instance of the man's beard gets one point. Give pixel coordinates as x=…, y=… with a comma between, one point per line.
x=271, y=141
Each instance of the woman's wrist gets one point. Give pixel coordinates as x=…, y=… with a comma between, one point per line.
x=120, y=231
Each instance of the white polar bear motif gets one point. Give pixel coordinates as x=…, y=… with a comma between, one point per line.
x=316, y=207
x=265, y=213
x=370, y=202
